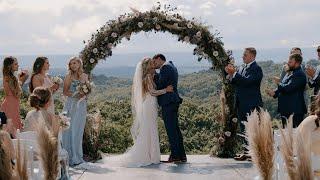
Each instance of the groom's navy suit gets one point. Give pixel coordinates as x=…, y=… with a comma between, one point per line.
x=169, y=103
x=247, y=81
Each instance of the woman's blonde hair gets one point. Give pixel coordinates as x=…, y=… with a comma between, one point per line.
x=145, y=71
x=80, y=70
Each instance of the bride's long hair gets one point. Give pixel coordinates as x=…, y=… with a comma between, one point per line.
x=139, y=89
x=146, y=67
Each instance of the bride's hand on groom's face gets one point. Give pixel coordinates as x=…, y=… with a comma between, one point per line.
x=169, y=88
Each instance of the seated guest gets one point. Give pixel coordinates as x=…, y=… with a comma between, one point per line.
x=290, y=92
x=3, y=121
x=40, y=100
x=309, y=128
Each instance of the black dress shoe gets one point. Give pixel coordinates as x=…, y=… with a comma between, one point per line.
x=172, y=160
x=184, y=159
x=242, y=157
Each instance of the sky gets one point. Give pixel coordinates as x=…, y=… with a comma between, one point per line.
x=60, y=26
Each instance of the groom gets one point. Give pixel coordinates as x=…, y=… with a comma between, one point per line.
x=170, y=103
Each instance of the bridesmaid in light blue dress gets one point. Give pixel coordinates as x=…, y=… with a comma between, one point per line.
x=76, y=110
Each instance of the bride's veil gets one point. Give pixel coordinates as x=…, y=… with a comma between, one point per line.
x=136, y=101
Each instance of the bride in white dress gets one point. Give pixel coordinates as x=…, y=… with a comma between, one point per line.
x=146, y=148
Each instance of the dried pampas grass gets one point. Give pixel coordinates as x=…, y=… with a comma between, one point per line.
x=21, y=169
x=304, y=167
x=5, y=162
x=48, y=155
x=299, y=168
x=261, y=142
x=286, y=148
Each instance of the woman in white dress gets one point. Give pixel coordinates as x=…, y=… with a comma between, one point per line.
x=40, y=101
x=40, y=77
x=146, y=148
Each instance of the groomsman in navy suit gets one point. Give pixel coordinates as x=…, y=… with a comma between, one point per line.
x=290, y=92
x=314, y=76
x=247, y=81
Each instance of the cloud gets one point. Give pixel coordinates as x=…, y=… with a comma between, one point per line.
x=77, y=30
x=207, y=7
x=30, y=26
x=184, y=10
x=238, y=12
x=40, y=40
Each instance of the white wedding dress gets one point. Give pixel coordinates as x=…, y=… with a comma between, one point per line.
x=146, y=148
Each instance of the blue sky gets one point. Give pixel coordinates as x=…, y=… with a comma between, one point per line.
x=59, y=26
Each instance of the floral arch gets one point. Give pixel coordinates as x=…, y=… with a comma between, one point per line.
x=208, y=46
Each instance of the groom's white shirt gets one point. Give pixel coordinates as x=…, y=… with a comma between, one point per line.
x=165, y=63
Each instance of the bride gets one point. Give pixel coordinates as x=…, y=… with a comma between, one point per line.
x=144, y=131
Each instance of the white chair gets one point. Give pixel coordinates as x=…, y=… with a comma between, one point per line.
x=30, y=135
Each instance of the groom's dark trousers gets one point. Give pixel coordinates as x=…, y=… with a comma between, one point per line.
x=170, y=103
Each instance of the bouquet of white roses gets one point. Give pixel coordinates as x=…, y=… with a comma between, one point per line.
x=56, y=80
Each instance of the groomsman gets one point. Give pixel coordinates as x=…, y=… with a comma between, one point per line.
x=314, y=76
x=247, y=81
x=294, y=50
x=290, y=92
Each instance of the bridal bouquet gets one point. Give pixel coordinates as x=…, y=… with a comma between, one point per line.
x=56, y=80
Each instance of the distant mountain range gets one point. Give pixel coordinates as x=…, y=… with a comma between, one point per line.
x=123, y=65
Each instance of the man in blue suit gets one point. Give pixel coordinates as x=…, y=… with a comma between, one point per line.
x=247, y=81
x=290, y=92
x=169, y=104
x=314, y=76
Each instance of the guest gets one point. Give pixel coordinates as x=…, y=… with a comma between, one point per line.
x=313, y=76
x=294, y=50
x=40, y=101
x=76, y=110
x=39, y=78
x=247, y=81
x=3, y=121
x=290, y=92
x=12, y=90
x=309, y=129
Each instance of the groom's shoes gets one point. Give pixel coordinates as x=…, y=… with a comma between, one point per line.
x=176, y=160
x=184, y=159
x=242, y=157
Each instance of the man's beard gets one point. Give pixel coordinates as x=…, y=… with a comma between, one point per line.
x=291, y=68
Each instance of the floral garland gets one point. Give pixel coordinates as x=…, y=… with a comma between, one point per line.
x=165, y=19
x=208, y=46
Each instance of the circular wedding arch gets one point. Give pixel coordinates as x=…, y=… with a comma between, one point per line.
x=165, y=19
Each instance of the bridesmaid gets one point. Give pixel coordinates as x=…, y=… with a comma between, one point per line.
x=40, y=78
x=12, y=89
x=77, y=111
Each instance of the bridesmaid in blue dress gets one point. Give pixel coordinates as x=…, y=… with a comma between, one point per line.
x=76, y=110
